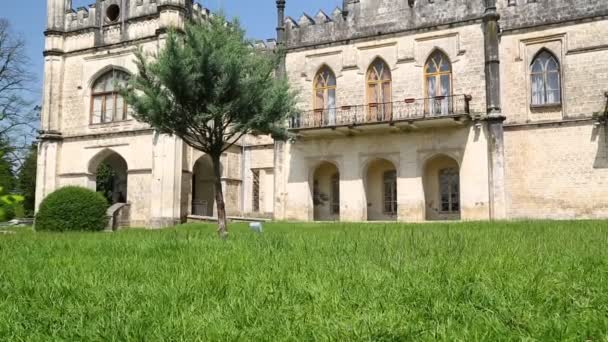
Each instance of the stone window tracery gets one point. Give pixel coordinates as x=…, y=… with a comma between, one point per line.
x=325, y=96
x=379, y=91
x=545, y=80
x=107, y=105
x=438, y=84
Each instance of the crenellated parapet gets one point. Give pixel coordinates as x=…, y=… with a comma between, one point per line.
x=359, y=19
x=108, y=22
x=522, y=14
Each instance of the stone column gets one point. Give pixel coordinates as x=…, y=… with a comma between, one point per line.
x=494, y=118
x=165, y=191
x=279, y=146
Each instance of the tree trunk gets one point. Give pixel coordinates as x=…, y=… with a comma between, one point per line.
x=222, y=228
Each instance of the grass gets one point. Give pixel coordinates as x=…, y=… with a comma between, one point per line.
x=462, y=281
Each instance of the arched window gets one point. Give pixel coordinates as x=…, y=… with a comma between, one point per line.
x=325, y=96
x=379, y=92
x=545, y=77
x=390, y=192
x=107, y=105
x=438, y=84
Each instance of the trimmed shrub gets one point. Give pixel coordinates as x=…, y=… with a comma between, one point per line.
x=72, y=209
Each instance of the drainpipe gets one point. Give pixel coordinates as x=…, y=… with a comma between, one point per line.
x=279, y=146
x=494, y=118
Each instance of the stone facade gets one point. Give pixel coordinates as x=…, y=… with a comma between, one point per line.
x=481, y=150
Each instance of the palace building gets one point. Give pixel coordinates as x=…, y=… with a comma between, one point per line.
x=410, y=110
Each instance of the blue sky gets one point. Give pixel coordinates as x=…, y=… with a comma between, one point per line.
x=28, y=18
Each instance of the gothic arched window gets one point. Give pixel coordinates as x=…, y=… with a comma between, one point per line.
x=438, y=83
x=107, y=105
x=325, y=97
x=545, y=80
x=379, y=92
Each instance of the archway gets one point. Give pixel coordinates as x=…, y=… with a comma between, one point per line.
x=441, y=181
x=203, y=193
x=110, y=172
x=381, y=190
x=325, y=191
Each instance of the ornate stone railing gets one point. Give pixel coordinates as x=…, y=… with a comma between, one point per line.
x=118, y=216
x=408, y=109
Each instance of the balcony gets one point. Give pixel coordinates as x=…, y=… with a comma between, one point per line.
x=406, y=114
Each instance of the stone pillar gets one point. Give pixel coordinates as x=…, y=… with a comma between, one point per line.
x=47, y=165
x=279, y=146
x=55, y=14
x=494, y=118
x=165, y=191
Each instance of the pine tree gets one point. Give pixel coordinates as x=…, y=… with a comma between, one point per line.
x=209, y=87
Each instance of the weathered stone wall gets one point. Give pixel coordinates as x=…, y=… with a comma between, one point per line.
x=521, y=14
x=370, y=18
x=408, y=151
x=582, y=51
x=557, y=171
x=406, y=55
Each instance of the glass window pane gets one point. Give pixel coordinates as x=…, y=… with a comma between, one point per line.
x=96, y=115
x=386, y=92
x=445, y=85
x=120, y=109
x=445, y=65
x=431, y=86
x=320, y=99
x=537, y=66
x=331, y=79
x=538, y=89
x=373, y=93
x=552, y=65
x=109, y=114
x=331, y=98
x=552, y=80
x=553, y=96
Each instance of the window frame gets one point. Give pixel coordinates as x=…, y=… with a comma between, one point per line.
x=112, y=95
x=545, y=73
x=382, y=110
x=449, y=171
x=335, y=194
x=389, y=200
x=437, y=76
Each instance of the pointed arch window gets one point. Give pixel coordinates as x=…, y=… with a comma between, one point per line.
x=379, y=91
x=438, y=84
x=325, y=96
x=107, y=105
x=545, y=80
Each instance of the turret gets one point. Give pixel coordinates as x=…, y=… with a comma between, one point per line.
x=55, y=11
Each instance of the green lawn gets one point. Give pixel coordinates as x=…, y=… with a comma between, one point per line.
x=465, y=281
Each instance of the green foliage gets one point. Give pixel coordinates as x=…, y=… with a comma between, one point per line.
x=7, y=176
x=72, y=208
x=518, y=281
x=27, y=181
x=10, y=206
x=105, y=181
x=208, y=87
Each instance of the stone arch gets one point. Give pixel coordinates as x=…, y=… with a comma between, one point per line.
x=104, y=71
x=441, y=181
x=380, y=185
x=324, y=186
x=114, y=167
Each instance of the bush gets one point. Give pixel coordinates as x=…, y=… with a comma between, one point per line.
x=10, y=206
x=72, y=209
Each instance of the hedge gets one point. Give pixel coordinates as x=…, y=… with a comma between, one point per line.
x=72, y=209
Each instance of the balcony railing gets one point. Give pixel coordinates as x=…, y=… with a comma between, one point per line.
x=406, y=110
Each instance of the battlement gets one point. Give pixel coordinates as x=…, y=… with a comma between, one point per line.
x=109, y=12
x=368, y=18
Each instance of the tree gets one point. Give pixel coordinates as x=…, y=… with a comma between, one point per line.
x=106, y=176
x=7, y=176
x=26, y=180
x=18, y=117
x=209, y=87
